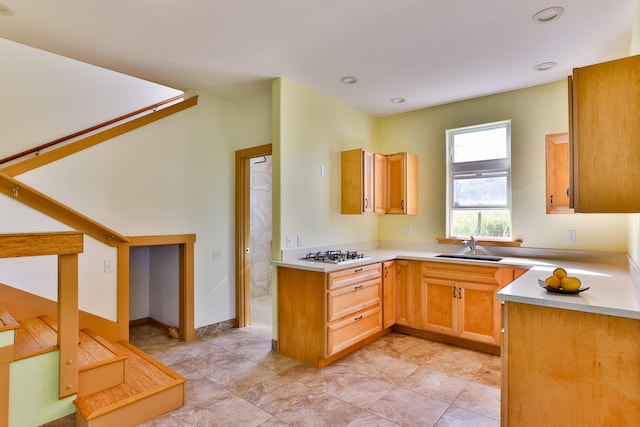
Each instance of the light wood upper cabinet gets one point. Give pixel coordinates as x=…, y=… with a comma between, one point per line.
x=357, y=182
x=378, y=183
x=557, y=167
x=402, y=191
x=605, y=136
x=380, y=164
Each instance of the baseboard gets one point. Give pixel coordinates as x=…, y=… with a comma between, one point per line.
x=214, y=328
x=459, y=342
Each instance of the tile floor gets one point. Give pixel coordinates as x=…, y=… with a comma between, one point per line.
x=234, y=379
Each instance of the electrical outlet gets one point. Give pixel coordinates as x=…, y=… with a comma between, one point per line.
x=300, y=241
x=289, y=242
x=409, y=231
x=571, y=236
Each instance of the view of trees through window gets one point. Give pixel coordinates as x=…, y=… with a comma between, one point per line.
x=479, y=181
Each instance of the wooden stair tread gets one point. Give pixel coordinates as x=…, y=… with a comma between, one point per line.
x=144, y=376
x=7, y=322
x=34, y=336
x=94, y=350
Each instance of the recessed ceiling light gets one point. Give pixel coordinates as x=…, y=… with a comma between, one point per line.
x=398, y=100
x=548, y=15
x=6, y=10
x=544, y=66
x=349, y=80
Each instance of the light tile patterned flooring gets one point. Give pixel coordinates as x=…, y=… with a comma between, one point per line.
x=234, y=379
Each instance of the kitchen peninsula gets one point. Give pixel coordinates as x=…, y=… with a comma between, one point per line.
x=573, y=358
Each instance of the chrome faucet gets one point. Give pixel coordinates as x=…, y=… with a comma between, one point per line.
x=471, y=244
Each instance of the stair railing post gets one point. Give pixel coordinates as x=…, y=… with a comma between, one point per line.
x=68, y=323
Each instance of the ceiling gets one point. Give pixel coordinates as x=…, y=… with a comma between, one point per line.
x=428, y=52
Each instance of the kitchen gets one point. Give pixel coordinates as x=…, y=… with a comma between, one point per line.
x=307, y=204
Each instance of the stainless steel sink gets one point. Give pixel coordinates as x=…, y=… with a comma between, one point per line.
x=470, y=257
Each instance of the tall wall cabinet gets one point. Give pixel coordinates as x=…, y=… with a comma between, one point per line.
x=605, y=136
x=375, y=183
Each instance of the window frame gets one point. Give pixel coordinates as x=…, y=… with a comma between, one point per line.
x=478, y=169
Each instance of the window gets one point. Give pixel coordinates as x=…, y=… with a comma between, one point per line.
x=479, y=181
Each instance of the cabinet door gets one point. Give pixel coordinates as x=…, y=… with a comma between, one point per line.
x=357, y=182
x=605, y=124
x=402, y=183
x=405, y=306
x=388, y=294
x=380, y=183
x=440, y=298
x=478, y=312
x=368, y=182
x=396, y=184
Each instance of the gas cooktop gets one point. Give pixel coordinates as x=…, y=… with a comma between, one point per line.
x=336, y=257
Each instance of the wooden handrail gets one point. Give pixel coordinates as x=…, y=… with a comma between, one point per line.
x=88, y=130
x=45, y=204
x=91, y=140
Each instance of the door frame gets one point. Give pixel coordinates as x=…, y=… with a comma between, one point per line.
x=243, y=231
x=185, y=243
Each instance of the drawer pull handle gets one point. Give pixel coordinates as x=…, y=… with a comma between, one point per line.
x=358, y=287
x=357, y=270
x=358, y=318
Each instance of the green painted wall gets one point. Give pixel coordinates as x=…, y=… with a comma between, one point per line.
x=534, y=112
x=33, y=398
x=312, y=130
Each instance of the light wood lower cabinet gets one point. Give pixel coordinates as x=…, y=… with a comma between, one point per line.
x=388, y=294
x=407, y=295
x=460, y=300
x=322, y=317
x=570, y=368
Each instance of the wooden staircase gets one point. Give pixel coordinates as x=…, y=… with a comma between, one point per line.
x=118, y=384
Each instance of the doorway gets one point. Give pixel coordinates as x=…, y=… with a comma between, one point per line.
x=253, y=239
x=181, y=245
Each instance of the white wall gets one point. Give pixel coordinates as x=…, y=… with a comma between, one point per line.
x=164, y=295
x=47, y=96
x=139, y=282
x=174, y=176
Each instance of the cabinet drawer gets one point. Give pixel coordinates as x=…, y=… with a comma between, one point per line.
x=347, y=300
x=344, y=333
x=354, y=275
x=461, y=272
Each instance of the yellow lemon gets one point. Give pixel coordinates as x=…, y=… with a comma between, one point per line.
x=552, y=281
x=560, y=273
x=570, y=283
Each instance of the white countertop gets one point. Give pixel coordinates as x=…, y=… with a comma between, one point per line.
x=611, y=288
